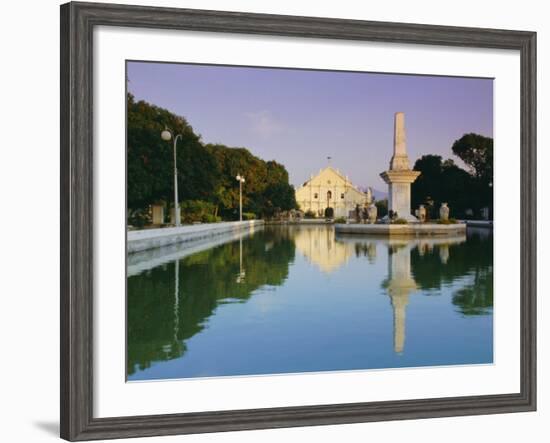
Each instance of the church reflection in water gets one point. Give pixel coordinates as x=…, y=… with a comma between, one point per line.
x=318, y=244
x=176, y=296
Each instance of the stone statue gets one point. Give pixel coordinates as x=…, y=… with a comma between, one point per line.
x=369, y=195
x=422, y=213
x=444, y=212
x=372, y=212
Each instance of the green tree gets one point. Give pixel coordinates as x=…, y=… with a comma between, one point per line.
x=150, y=159
x=382, y=207
x=206, y=173
x=443, y=181
x=477, y=152
x=265, y=191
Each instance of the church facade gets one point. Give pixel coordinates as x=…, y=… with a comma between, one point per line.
x=330, y=189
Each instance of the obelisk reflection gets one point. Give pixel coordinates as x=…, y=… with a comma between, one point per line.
x=399, y=285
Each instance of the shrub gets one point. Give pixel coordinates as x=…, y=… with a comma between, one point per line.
x=340, y=220
x=450, y=221
x=139, y=218
x=329, y=212
x=210, y=218
x=400, y=221
x=309, y=214
x=249, y=216
x=197, y=211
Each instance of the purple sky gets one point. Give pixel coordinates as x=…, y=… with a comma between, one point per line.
x=299, y=117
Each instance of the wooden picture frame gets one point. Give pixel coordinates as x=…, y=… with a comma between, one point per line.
x=77, y=23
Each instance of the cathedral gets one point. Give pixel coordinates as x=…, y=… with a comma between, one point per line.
x=330, y=189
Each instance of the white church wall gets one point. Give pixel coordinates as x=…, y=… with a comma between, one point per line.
x=330, y=188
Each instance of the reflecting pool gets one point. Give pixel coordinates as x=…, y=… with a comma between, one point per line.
x=289, y=299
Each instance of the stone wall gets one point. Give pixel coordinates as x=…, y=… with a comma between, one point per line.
x=155, y=238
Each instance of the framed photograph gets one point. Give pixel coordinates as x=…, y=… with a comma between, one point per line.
x=272, y=221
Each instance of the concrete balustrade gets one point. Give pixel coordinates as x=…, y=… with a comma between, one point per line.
x=144, y=239
x=411, y=229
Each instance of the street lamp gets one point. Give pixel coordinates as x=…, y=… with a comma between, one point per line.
x=241, y=180
x=166, y=135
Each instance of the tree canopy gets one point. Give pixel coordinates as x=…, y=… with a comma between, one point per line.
x=477, y=152
x=441, y=181
x=444, y=181
x=205, y=172
x=150, y=166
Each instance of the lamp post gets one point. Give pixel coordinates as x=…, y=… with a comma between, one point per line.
x=241, y=180
x=166, y=135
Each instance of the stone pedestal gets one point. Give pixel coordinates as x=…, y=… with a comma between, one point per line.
x=173, y=215
x=399, y=192
x=157, y=214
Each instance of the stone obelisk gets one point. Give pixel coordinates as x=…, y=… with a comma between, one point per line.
x=400, y=175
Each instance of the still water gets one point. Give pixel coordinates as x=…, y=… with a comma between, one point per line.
x=301, y=298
